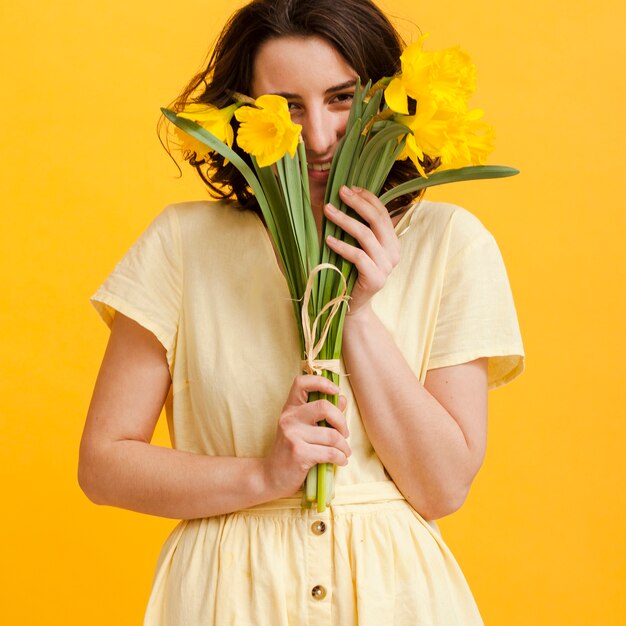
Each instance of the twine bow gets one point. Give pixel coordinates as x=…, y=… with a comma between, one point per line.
x=311, y=364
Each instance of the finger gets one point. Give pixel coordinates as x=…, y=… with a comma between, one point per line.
x=362, y=233
x=372, y=210
x=338, y=421
x=370, y=274
x=306, y=383
x=343, y=403
x=329, y=438
x=314, y=412
x=328, y=454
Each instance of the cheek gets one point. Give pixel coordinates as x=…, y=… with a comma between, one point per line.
x=342, y=122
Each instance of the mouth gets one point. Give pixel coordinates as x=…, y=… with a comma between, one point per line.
x=319, y=167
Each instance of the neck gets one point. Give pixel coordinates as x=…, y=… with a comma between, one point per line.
x=318, y=214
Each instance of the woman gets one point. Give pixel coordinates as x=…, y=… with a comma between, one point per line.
x=201, y=322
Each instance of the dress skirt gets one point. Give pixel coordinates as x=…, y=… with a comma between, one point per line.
x=369, y=559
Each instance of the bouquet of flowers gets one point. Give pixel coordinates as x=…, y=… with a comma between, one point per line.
x=421, y=114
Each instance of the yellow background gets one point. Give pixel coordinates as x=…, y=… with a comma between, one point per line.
x=540, y=538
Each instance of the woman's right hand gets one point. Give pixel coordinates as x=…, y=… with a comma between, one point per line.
x=300, y=443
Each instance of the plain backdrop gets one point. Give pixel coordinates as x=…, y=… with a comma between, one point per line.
x=540, y=538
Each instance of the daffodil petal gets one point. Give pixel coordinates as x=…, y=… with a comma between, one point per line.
x=272, y=102
x=415, y=153
x=216, y=121
x=266, y=130
x=294, y=140
x=244, y=114
x=396, y=97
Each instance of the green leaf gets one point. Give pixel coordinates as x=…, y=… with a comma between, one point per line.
x=344, y=160
x=357, y=102
x=289, y=217
x=376, y=144
x=372, y=107
x=472, y=172
x=312, y=245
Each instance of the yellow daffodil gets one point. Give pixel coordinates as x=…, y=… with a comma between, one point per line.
x=413, y=80
x=191, y=147
x=446, y=78
x=427, y=137
x=470, y=140
x=216, y=121
x=452, y=79
x=267, y=132
x=458, y=139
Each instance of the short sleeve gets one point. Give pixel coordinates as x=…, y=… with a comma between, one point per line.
x=477, y=316
x=146, y=285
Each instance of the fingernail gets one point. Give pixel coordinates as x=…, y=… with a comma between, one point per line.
x=356, y=189
x=331, y=239
x=346, y=190
x=330, y=208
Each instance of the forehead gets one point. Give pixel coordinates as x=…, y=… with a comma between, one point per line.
x=298, y=65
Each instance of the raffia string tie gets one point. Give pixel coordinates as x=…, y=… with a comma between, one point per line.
x=311, y=364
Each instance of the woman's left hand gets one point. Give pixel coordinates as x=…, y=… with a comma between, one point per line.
x=380, y=247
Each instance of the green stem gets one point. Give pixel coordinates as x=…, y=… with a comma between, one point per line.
x=311, y=485
x=321, y=487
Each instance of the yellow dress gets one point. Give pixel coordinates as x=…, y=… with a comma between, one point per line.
x=204, y=279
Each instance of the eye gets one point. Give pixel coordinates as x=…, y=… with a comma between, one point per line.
x=343, y=98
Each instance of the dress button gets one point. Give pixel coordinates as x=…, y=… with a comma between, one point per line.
x=318, y=527
x=318, y=592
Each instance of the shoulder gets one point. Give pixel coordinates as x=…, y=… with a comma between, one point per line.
x=442, y=227
x=197, y=212
x=445, y=219
x=206, y=218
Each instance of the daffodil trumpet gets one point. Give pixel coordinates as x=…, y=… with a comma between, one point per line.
x=441, y=135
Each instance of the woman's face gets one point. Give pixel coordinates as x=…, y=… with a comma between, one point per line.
x=319, y=85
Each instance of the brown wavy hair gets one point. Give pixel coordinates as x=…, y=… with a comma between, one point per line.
x=357, y=29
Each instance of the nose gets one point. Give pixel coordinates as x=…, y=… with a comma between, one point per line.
x=321, y=130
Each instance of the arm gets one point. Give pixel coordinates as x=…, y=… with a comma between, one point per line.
x=118, y=466
x=431, y=438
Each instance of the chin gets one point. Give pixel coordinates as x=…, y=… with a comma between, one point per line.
x=317, y=196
